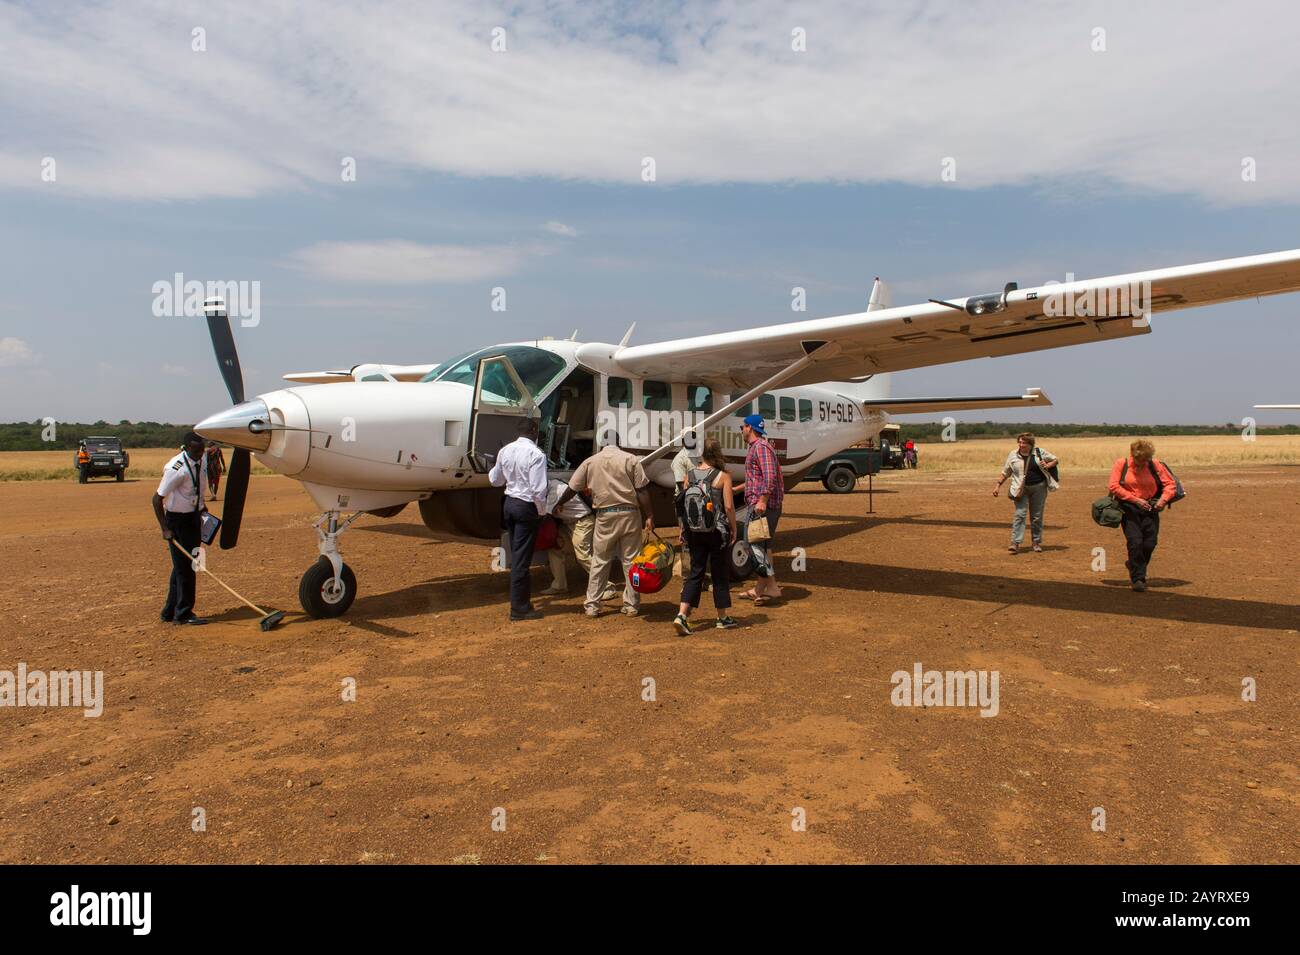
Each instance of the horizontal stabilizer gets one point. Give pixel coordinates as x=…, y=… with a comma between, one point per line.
x=367, y=372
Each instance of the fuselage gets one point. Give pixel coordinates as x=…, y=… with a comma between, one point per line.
x=374, y=444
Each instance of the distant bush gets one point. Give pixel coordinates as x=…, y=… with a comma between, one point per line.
x=26, y=436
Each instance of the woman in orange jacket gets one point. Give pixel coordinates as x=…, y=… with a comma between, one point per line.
x=1144, y=487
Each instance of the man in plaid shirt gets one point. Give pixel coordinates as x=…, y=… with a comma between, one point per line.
x=764, y=488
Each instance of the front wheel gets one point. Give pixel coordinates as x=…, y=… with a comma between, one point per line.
x=320, y=596
x=841, y=480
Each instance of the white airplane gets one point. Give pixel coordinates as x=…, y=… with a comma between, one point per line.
x=1278, y=407
x=382, y=436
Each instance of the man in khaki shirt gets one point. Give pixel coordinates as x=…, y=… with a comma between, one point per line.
x=620, y=494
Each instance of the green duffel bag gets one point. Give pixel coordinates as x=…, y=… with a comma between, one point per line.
x=1106, y=511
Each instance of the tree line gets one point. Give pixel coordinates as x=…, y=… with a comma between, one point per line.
x=27, y=436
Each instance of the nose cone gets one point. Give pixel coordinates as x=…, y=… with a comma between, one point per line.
x=243, y=426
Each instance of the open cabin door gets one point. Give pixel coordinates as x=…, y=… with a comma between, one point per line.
x=501, y=401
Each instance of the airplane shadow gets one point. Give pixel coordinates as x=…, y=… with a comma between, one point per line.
x=441, y=595
x=1058, y=595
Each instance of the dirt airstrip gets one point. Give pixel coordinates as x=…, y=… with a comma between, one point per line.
x=1128, y=703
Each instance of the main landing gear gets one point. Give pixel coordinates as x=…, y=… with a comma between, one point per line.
x=328, y=587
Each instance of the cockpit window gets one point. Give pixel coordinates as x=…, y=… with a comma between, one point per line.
x=439, y=368
x=536, y=367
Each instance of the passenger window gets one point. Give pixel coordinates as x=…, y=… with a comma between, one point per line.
x=699, y=398
x=787, y=409
x=805, y=409
x=657, y=396
x=745, y=410
x=767, y=407
x=620, y=393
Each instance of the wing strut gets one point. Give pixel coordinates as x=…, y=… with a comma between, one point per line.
x=822, y=350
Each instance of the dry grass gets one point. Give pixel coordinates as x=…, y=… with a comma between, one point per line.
x=1076, y=454
x=1098, y=454
x=146, y=465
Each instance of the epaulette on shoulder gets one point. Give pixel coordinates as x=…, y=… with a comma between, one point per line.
x=176, y=466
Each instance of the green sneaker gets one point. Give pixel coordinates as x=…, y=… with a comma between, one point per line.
x=683, y=625
x=726, y=623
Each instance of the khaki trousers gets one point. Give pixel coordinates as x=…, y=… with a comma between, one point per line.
x=618, y=535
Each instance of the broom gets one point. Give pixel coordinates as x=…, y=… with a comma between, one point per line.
x=268, y=618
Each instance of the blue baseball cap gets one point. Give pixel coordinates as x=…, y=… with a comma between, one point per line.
x=755, y=421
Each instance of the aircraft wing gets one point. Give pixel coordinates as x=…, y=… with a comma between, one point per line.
x=979, y=326
x=1032, y=398
x=1279, y=407
x=361, y=373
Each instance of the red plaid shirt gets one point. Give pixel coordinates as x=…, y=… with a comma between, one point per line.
x=763, y=475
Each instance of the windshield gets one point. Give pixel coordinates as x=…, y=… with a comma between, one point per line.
x=536, y=367
x=439, y=368
x=103, y=444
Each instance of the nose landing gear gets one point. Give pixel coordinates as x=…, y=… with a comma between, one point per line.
x=328, y=587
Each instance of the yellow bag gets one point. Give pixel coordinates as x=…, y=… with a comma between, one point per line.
x=653, y=566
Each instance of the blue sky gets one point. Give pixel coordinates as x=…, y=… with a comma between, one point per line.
x=476, y=170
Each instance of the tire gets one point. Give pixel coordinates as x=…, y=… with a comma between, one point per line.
x=841, y=480
x=313, y=596
x=740, y=561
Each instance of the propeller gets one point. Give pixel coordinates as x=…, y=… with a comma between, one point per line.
x=223, y=344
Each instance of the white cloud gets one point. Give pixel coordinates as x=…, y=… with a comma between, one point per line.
x=397, y=262
x=712, y=91
x=15, y=353
x=559, y=228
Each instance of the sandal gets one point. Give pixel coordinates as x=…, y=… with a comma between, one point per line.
x=1013, y=549
x=750, y=594
x=762, y=600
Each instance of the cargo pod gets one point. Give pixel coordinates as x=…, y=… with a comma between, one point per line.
x=501, y=401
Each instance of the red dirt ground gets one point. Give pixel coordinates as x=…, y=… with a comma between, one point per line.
x=1129, y=702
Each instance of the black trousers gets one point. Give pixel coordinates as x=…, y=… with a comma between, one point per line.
x=521, y=529
x=1141, y=530
x=707, y=553
x=180, y=589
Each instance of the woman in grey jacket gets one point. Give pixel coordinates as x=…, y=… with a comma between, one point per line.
x=1030, y=470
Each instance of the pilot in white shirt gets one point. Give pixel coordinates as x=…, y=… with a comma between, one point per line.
x=178, y=505
x=521, y=467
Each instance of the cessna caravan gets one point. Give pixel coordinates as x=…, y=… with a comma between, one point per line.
x=379, y=437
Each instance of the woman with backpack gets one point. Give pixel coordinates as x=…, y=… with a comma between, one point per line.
x=1033, y=473
x=1143, y=487
x=708, y=511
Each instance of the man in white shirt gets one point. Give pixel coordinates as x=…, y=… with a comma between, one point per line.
x=521, y=468
x=178, y=505
x=576, y=521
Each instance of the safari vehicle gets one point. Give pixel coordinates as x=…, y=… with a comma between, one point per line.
x=891, y=447
x=107, y=459
x=840, y=472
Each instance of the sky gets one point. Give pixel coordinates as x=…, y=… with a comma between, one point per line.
x=505, y=146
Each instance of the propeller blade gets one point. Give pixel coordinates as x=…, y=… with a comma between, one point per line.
x=223, y=343
x=236, y=491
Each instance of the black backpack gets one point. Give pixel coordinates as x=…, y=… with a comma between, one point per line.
x=701, y=502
